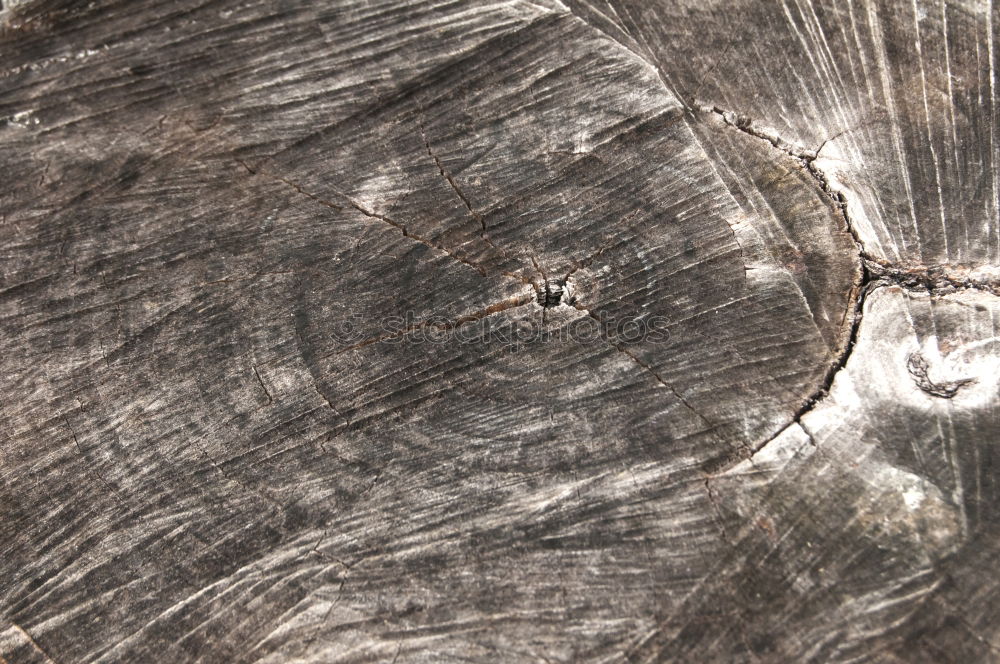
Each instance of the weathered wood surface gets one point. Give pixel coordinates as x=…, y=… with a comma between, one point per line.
x=218, y=444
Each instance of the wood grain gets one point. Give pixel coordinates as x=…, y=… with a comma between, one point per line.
x=318, y=331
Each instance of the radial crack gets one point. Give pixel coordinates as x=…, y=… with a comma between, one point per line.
x=454, y=185
x=90, y=466
x=649, y=369
x=446, y=174
x=371, y=214
x=935, y=279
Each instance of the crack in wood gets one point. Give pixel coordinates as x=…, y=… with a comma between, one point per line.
x=90, y=467
x=874, y=273
x=711, y=426
x=373, y=215
x=860, y=291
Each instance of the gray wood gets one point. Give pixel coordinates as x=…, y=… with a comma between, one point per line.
x=313, y=350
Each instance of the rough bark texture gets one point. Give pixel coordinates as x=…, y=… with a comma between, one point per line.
x=213, y=448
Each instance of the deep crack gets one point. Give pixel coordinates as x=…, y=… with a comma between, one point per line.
x=874, y=272
x=936, y=280
x=932, y=278
x=861, y=288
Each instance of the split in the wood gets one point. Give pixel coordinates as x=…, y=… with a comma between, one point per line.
x=746, y=125
x=402, y=228
x=936, y=280
x=446, y=174
x=840, y=363
x=368, y=213
x=874, y=273
x=931, y=278
x=618, y=344
x=852, y=318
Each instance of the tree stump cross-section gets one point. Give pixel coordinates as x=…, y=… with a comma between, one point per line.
x=551, y=331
